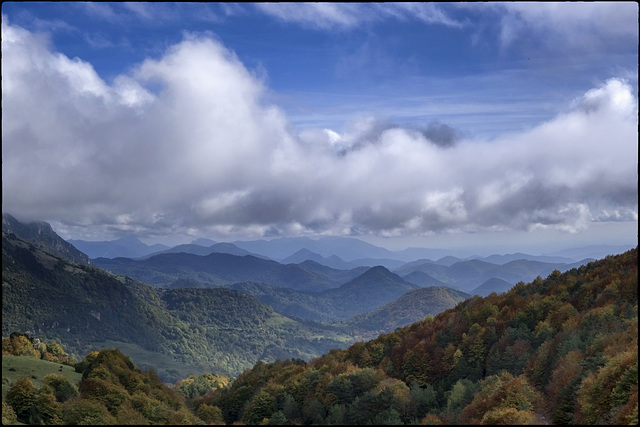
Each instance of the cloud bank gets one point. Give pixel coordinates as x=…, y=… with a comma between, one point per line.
x=187, y=144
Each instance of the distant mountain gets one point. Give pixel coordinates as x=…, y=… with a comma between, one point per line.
x=503, y=259
x=208, y=330
x=377, y=286
x=187, y=248
x=492, y=285
x=333, y=261
x=409, y=308
x=448, y=260
x=422, y=279
x=128, y=247
x=346, y=248
x=204, y=242
x=338, y=276
x=374, y=288
x=196, y=249
x=372, y=262
x=411, y=254
x=221, y=269
x=468, y=275
x=41, y=235
x=592, y=251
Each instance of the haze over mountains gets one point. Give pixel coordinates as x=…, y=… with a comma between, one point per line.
x=294, y=297
x=310, y=271
x=331, y=249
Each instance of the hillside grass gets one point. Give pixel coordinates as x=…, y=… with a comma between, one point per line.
x=14, y=367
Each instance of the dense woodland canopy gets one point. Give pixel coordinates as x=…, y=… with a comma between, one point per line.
x=560, y=350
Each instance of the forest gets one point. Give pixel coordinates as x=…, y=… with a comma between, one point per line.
x=559, y=350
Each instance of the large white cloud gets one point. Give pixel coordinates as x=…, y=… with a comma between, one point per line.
x=186, y=142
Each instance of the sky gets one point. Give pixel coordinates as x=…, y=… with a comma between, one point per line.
x=441, y=125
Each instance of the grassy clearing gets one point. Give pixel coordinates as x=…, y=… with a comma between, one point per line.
x=14, y=367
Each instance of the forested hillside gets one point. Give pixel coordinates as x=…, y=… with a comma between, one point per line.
x=41, y=235
x=111, y=390
x=84, y=308
x=560, y=350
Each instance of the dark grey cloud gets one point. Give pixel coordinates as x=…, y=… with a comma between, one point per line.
x=441, y=134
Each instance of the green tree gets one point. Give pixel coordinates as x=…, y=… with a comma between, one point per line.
x=22, y=397
x=290, y=407
x=210, y=414
x=260, y=407
x=424, y=400
x=337, y=415
x=277, y=419
x=77, y=411
x=47, y=410
x=62, y=388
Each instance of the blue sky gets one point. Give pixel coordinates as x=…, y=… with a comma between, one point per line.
x=405, y=124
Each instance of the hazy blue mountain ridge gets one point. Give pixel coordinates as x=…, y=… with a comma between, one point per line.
x=197, y=249
x=492, y=285
x=128, y=247
x=333, y=261
x=468, y=275
x=220, y=269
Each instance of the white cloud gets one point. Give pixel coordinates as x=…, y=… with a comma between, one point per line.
x=187, y=142
x=577, y=25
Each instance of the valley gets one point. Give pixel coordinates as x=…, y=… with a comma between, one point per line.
x=223, y=307
x=243, y=320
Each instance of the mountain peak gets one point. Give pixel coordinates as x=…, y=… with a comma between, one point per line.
x=41, y=235
x=379, y=276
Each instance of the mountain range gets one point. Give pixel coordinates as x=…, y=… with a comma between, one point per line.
x=224, y=269
x=190, y=325
x=336, y=249
x=56, y=281
x=560, y=349
x=373, y=288
x=199, y=329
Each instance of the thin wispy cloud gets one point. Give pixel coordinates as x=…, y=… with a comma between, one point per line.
x=327, y=16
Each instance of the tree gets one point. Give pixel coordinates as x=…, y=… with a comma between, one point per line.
x=313, y=411
x=77, y=411
x=62, y=388
x=210, y=414
x=47, y=410
x=277, y=419
x=501, y=399
x=22, y=397
x=290, y=407
x=508, y=416
x=260, y=407
x=8, y=414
